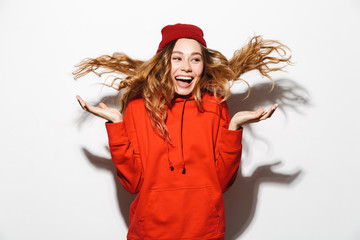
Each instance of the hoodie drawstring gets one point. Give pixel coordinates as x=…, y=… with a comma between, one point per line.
x=168, y=154
x=182, y=144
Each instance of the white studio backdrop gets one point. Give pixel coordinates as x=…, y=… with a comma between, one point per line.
x=299, y=177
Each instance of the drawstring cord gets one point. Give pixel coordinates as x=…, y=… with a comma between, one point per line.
x=182, y=144
x=171, y=166
x=168, y=154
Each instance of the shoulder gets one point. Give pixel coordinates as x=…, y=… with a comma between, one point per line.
x=216, y=101
x=135, y=102
x=135, y=105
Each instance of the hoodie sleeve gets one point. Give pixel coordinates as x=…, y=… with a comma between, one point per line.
x=125, y=152
x=227, y=151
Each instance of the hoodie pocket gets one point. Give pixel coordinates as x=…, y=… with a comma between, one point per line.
x=179, y=213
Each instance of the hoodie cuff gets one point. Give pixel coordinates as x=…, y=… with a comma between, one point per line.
x=116, y=133
x=231, y=139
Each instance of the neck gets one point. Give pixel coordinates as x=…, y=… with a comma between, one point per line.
x=183, y=96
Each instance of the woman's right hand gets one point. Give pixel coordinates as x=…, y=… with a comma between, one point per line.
x=110, y=114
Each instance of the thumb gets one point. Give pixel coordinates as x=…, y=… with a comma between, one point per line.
x=259, y=112
x=103, y=105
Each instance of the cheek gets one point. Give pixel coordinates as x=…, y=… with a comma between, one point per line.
x=199, y=70
x=173, y=68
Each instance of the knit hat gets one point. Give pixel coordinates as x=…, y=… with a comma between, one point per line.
x=179, y=30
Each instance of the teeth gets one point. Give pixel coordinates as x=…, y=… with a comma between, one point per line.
x=183, y=78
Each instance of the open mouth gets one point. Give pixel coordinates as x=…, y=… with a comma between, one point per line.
x=187, y=80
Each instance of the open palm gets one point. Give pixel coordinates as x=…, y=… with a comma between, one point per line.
x=110, y=114
x=245, y=117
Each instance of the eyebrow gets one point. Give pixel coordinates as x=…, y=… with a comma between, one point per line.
x=194, y=53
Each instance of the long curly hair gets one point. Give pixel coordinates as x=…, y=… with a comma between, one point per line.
x=152, y=81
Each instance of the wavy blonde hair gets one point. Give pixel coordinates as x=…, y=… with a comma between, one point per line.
x=152, y=81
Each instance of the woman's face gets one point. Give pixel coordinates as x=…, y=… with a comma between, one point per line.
x=187, y=65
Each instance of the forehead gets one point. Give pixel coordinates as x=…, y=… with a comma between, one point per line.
x=187, y=45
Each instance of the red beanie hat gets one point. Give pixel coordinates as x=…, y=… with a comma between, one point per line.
x=173, y=32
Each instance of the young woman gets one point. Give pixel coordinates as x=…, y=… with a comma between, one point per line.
x=176, y=146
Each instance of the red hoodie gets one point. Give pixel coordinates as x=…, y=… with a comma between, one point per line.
x=180, y=185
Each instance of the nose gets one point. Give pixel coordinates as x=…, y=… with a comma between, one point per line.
x=185, y=66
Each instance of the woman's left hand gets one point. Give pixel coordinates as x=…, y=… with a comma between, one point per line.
x=245, y=117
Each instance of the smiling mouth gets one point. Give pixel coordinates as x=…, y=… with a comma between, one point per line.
x=184, y=79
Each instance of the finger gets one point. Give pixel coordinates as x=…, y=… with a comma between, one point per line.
x=259, y=112
x=90, y=108
x=273, y=109
x=103, y=105
x=81, y=101
x=269, y=112
x=255, y=116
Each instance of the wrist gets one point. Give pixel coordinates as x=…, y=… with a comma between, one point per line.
x=115, y=120
x=233, y=126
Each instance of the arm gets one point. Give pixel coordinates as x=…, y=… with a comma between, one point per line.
x=125, y=153
x=227, y=150
x=228, y=146
x=123, y=143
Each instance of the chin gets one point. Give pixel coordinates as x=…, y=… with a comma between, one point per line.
x=184, y=92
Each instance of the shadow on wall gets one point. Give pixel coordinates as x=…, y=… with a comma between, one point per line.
x=124, y=198
x=287, y=93
x=241, y=200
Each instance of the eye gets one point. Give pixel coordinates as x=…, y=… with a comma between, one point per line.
x=176, y=58
x=196, y=59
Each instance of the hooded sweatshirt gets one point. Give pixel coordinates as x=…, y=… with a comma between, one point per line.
x=179, y=184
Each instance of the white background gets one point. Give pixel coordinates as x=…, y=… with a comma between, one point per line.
x=56, y=178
